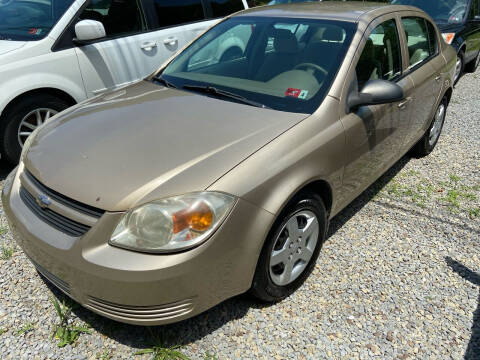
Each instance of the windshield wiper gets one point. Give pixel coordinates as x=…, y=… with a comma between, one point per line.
x=215, y=91
x=167, y=83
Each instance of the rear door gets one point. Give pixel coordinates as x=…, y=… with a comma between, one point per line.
x=424, y=68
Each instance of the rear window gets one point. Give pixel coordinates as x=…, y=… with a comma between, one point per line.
x=171, y=13
x=221, y=8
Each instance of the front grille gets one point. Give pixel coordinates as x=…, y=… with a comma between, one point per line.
x=59, y=222
x=141, y=313
x=73, y=204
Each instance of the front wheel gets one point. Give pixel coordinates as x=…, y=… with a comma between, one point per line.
x=473, y=65
x=427, y=143
x=292, y=248
x=21, y=119
x=459, y=66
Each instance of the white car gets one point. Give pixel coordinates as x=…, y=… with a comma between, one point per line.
x=56, y=53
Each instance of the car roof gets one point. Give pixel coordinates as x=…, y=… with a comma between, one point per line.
x=351, y=11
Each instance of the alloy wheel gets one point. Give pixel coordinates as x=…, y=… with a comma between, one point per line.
x=458, y=68
x=437, y=124
x=293, y=248
x=31, y=121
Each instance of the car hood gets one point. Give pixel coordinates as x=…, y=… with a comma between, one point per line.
x=145, y=142
x=7, y=46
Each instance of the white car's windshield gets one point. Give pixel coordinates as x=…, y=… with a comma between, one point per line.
x=284, y=64
x=29, y=20
x=442, y=11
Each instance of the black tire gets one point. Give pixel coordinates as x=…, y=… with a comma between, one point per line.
x=472, y=66
x=10, y=121
x=263, y=288
x=424, y=146
x=461, y=56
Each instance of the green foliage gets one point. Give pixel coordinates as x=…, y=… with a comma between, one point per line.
x=105, y=355
x=3, y=230
x=3, y=331
x=164, y=353
x=65, y=331
x=209, y=356
x=6, y=253
x=474, y=213
x=162, y=349
x=26, y=328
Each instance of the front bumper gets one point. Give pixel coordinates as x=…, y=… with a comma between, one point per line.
x=138, y=288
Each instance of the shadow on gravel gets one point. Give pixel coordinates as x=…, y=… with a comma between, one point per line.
x=473, y=348
x=5, y=169
x=364, y=198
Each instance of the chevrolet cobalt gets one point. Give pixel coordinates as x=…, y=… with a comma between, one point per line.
x=153, y=203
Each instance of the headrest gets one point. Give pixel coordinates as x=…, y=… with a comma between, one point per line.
x=333, y=33
x=284, y=41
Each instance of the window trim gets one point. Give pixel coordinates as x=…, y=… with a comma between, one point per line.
x=70, y=28
x=373, y=25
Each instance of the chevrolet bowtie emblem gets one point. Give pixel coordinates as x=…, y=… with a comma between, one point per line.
x=43, y=201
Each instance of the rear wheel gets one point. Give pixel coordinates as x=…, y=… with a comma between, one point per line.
x=459, y=66
x=20, y=120
x=472, y=66
x=427, y=143
x=292, y=248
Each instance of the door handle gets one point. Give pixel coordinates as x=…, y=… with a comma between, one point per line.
x=170, y=41
x=404, y=103
x=438, y=78
x=149, y=45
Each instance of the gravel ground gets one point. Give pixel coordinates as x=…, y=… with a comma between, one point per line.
x=399, y=277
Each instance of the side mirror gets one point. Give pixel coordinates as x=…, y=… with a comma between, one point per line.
x=375, y=92
x=88, y=30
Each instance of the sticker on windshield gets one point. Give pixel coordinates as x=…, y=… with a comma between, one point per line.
x=293, y=92
x=296, y=93
x=34, y=31
x=303, y=94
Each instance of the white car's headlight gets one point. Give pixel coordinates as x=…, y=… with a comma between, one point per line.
x=172, y=224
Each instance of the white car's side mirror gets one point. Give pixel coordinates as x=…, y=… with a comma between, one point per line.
x=88, y=30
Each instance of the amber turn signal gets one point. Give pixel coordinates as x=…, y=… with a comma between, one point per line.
x=198, y=217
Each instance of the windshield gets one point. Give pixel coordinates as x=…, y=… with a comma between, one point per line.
x=283, y=64
x=441, y=11
x=29, y=20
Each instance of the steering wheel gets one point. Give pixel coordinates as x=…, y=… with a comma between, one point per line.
x=315, y=67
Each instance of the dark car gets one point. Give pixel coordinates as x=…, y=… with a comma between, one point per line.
x=459, y=22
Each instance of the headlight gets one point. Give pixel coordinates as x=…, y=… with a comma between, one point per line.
x=448, y=37
x=172, y=224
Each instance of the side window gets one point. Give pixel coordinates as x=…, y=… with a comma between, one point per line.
x=381, y=57
x=221, y=8
x=475, y=9
x=419, y=45
x=171, y=13
x=119, y=17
